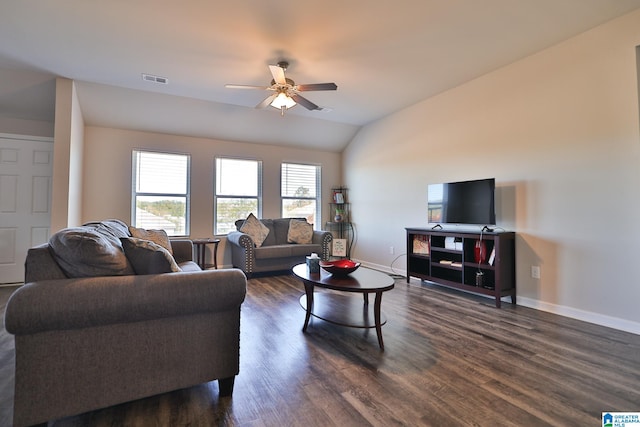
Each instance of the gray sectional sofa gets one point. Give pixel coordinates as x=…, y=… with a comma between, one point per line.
x=88, y=342
x=276, y=252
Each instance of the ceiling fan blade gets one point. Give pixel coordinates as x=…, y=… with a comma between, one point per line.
x=316, y=86
x=268, y=100
x=246, y=87
x=304, y=102
x=278, y=74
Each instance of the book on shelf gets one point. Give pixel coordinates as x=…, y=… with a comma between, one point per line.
x=449, y=243
x=421, y=245
x=453, y=243
x=492, y=257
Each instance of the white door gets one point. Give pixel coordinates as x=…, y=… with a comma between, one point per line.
x=26, y=165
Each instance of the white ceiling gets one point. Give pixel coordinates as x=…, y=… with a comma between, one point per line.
x=383, y=55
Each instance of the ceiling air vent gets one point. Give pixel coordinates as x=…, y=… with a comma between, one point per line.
x=155, y=79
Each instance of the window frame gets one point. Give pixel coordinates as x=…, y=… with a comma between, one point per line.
x=318, y=190
x=217, y=196
x=135, y=193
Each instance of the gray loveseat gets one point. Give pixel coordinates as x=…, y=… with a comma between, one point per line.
x=275, y=253
x=85, y=343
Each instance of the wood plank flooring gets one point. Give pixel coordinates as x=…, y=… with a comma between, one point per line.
x=7, y=362
x=450, y=359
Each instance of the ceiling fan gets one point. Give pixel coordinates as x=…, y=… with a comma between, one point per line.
x=286, y=93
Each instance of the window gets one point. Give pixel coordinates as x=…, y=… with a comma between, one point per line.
x=300, y=192
x=160, y=193
x=238, y=192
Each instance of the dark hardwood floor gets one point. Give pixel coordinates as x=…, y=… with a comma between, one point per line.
x=7, y=363
x=450, y=359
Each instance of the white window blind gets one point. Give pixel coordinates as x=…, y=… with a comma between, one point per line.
x=238, y=192
x=160, y=191
x=300, y=190
x=299, y=181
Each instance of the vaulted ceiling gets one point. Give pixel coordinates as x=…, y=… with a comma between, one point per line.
x=383, y=55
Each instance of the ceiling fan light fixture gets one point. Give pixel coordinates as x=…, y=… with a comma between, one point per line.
x=283, y=101
x=285, y=93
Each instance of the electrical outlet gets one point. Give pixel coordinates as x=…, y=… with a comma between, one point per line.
x=391, y=250
x=535, y=271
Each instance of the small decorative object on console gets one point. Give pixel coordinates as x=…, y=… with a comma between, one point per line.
x=313, y=262
x=339, y=247
x=480, y=252
x=420, y=245
x=341, y=267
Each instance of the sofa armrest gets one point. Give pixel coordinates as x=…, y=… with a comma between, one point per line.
x=324, y=239
x=95, y=301
x=242, y=250
x=40, y=265
x=241, y=239
x=182, y=250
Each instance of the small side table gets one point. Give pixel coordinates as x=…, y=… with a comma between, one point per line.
x=200, y=245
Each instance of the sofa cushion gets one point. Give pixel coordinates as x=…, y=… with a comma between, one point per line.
x=85, y=252
x=300, y=231
x=189, y=266
x=111, y=227
x=304, y=250
x=159, y=237
x=287, y=251
x=274, y=251
x=148, y=257
x=281, y=228
x=255, y=229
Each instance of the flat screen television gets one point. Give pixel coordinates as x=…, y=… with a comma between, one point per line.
x=463, y=202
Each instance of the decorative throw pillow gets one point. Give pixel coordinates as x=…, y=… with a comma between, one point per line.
x=255, y=229
x=148, y=257
x=300, y=231
x=158, y=237
x=84, y=252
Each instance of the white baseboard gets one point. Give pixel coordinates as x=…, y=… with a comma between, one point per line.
x=585, y=316
x=573, y=313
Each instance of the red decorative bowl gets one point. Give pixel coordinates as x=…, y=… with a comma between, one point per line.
x=341, y=267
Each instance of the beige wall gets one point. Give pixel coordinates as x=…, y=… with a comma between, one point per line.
x=107, y=177
x=26, y=127
x=559, y=132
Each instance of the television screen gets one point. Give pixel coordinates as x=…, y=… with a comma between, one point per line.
x=464, y=202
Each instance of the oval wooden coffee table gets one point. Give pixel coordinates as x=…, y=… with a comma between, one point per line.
x=325, y=307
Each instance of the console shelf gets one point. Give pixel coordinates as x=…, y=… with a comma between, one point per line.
x=482, y=263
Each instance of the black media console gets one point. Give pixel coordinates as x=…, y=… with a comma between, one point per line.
x=479, y=262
